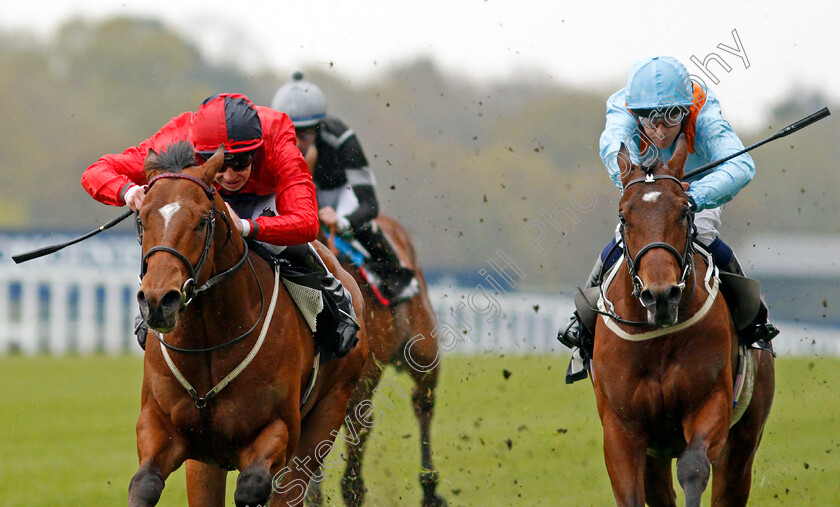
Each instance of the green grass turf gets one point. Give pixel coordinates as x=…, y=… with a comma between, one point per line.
x=521, y=437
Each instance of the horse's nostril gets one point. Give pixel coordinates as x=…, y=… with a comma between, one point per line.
x=171, y=300
x=647, y=298
x=142, y=302
x=674, y=294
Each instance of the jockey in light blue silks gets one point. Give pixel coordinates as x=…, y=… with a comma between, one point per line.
x=659, y=103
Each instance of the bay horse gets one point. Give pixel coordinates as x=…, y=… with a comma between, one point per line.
x=665, y=357
x=401, y=335
x=228, y=328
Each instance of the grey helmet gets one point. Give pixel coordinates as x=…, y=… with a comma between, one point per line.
x=303, y=101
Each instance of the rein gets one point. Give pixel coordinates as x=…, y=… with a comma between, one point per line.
x=227, y=343
x=711, y=281
x=201, y=401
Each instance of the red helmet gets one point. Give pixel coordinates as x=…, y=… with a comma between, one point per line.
x=227, y=118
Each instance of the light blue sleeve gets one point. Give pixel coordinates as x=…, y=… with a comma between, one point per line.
x=714, y=140
x=621, y=127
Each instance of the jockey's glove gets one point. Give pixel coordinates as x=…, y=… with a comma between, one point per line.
x=343, y=225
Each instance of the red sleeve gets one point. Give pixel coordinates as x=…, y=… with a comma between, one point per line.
x=284, y=169
x=109, y=178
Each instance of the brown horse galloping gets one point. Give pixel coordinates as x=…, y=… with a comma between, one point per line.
x=227, y=328
x=664, y=387
x=401, y=335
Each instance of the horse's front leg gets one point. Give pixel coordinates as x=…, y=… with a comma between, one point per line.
x=624, y=454
x=705, y=430
x=205, y=484
x=160, y=451
x=259, y=460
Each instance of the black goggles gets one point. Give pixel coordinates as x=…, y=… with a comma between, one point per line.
x=236, y=161
x=669, y=116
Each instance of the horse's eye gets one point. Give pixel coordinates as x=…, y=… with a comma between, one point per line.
x=684, y=212
x=202, y=223
x=622, y=219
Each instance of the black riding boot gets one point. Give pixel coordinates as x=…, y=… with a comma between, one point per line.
x=338, y=304
x=379, y=247
x=395, y=280
x=761, y=329
x=575, y=334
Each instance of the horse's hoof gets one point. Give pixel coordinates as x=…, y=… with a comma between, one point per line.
x=145, y=488
x=314, y=496
x=434, y=501
x=252, y=488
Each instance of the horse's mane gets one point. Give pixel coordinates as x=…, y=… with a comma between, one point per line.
x=173, y=158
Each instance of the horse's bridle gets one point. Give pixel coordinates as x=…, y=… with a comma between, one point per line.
x=189, y=290
x=685, y=260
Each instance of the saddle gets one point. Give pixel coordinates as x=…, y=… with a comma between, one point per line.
x=304, y=288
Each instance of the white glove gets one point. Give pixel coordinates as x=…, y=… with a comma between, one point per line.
x=343, y=225
x=246, y=228
x=134, y=197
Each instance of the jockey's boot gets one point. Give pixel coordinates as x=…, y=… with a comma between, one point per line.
x=761, y=329
x=375, y=242
x=397, y=281
x=577, y=337
x=141, y=329
x=575, y=334
x=337, y=298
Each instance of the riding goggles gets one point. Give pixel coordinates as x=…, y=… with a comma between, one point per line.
x=652, y=118
x=237, y=161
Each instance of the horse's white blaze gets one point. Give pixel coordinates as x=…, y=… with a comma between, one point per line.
x=651, y=196
x=167, y=211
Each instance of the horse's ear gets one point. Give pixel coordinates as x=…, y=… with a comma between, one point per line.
x=625, y=165
x=152, y=164
x=677, y=162
x=213, y=164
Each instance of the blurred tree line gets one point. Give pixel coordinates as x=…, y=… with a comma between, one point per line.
x=469, y=167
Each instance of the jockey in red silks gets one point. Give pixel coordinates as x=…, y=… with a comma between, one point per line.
x=265, y=182
x=660, y=102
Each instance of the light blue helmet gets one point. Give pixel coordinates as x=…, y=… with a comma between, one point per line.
x=658, y=82
x=303, y=101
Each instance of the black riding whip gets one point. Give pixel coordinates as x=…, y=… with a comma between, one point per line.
x=790, y=129
x=34, y=254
